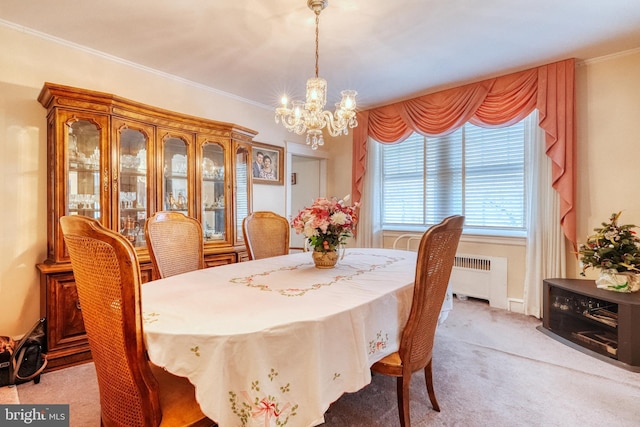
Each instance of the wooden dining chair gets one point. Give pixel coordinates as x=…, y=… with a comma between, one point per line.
x=436, y=254
x=133, y=391
x=175, y=243
x=266, y=234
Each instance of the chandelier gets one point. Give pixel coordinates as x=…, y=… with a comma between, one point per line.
x=310, y=116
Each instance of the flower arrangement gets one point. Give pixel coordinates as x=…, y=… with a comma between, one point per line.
x=612, y=247
x=326, y=223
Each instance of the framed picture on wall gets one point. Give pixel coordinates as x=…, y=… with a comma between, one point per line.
x=267, y=164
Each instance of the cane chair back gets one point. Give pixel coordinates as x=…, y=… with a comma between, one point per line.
x=266, y=234
x=175, y=242
x=436, y=255
x=133, y=392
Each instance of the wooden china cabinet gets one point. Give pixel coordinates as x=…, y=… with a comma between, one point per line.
x=120, y=161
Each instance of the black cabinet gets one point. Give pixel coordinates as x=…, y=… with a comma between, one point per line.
x=602, y=323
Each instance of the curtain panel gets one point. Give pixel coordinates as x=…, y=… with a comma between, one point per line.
x=496, y=102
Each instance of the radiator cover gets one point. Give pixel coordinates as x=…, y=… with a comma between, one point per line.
x=482, y=277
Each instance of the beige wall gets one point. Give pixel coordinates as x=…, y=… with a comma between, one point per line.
x=608, y=108
x=340, y=151
x=608, y=101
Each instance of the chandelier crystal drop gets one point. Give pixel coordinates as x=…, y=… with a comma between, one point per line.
x=309, y=116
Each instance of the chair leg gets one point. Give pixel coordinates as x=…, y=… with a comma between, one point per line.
x=432, y=393
x=403, y=384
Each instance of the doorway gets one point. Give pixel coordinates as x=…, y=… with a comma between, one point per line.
x=307, y=181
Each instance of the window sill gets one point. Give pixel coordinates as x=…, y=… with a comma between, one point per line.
x=469, y=235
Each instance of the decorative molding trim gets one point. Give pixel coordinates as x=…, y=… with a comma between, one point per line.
x=128, y=63
x=584, y=62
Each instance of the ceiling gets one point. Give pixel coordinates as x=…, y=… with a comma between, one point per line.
x=387, y=50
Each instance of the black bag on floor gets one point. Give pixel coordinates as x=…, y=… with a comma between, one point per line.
x=7, y=346
x=24, y=360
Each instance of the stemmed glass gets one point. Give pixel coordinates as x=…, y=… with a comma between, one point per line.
x=73, y=201
x=132, y=198
x=127, y=198
x=84, y=200
x=95, y=201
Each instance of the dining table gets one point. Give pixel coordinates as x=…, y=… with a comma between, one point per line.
x=273, y=342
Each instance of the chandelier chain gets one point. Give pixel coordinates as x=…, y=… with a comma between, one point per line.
x=317, y=40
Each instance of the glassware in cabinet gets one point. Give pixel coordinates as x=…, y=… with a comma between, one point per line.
x=84, y=156
x=176, y=172
x=133, y=181
x=213, y=192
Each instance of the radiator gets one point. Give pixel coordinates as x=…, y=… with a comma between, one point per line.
x=482, y=277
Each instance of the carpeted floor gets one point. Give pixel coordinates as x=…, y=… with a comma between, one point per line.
x=491, y=368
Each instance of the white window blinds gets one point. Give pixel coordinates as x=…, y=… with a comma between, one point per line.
x=476, y=172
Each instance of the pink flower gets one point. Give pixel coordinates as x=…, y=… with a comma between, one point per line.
x=326, y=223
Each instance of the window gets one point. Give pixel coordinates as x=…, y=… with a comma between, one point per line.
x=476, y=172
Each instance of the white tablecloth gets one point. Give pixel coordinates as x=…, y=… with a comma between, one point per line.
x=278, y=339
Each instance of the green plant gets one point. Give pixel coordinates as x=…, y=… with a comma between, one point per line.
x=612, y=247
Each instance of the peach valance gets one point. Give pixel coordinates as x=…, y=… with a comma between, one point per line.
x=501, y=101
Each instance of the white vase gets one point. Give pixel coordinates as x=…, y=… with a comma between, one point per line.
x=612, y=280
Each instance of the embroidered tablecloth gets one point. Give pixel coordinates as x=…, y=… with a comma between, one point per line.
x=276, y=341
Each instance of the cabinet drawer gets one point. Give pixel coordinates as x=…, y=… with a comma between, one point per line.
x=221, y=259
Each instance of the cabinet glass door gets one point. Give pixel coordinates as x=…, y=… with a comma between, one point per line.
x=241, y=190
x=84, y=157
x=175, y=194
x=132, y=196
x=213, y=197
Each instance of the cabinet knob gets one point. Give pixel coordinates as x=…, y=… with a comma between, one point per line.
x=78, y=304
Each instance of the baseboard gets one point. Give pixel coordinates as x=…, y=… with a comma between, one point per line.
x=515, y=305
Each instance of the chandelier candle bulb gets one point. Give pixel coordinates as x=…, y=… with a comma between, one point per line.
x=348, y=99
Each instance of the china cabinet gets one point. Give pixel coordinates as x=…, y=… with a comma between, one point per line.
x=120, y=161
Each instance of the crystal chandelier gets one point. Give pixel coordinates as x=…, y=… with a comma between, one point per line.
x=310, y=116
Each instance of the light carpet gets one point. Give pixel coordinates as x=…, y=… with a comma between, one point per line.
x=491, y=368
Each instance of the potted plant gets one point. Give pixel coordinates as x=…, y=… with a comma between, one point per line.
x=326, y=224
x=615, y=250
